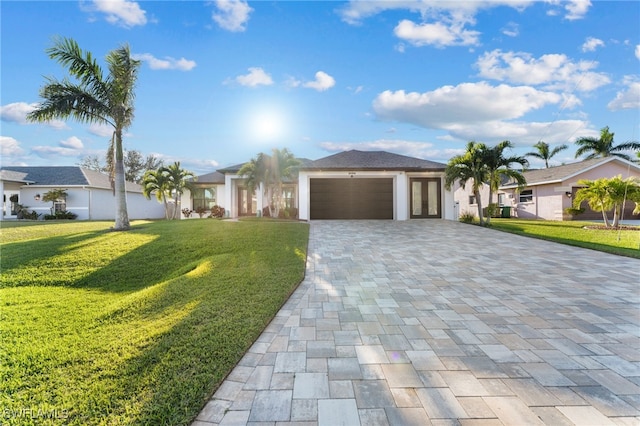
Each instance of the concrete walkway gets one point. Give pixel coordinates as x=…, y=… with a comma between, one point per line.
x=436, y=322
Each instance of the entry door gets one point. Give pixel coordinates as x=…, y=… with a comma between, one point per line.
x=425, y=198
x=246, y=202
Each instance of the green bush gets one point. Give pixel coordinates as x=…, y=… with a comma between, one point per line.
x=467, y=217
x=217, y=211
x=60, y=215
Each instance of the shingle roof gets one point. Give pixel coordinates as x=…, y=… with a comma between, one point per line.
x=61, y=176
x=236, y=168
x=560, y=173
x=372, y=160
x=213, y=177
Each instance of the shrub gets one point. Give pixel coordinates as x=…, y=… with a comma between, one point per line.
x=217, y=211
x=493, y=210
x=467, y=217
x=201, y=211
x=60, y=215
x=187, y=212
x=573, y=211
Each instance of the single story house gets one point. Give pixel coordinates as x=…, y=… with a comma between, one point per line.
x=90, y=194
x=347, y=185
x=549, y=191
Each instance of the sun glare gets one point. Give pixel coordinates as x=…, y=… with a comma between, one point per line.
x=267, y=126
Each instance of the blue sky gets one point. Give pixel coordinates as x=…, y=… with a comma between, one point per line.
x=224, y=80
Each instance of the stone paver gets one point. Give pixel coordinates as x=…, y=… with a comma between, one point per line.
x=436, y=322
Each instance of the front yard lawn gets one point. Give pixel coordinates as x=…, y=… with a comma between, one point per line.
x=623, y=242
x=137, y=327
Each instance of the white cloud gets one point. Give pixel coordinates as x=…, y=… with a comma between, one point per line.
x=522, y=133
x=438, y=34
x=638, y=51
x=168, y=63
x=72, y=142
x=17, y=113
x=121, y=12
x=576, y=9
x=628, y=98
x=591, y=44
x=232, y=15
x=511, y=29
x=9, y=147
x=102, y=130
x=322, y=82
x=49, y=151
x=465, y=103
x=256, y=77
x=553, y=71
x=355, y=11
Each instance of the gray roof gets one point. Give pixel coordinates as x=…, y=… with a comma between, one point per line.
x=213, y=177
x=236, y=167
x=372, y=160
x=68, y=176
x=561, y=173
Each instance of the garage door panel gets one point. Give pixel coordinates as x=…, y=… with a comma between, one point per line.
x=352, y=198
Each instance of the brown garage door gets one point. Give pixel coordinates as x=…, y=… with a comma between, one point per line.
x=351, y=198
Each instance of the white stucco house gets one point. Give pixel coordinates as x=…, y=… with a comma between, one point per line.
x=90, y=195
x=347, y=185
x=550, y=191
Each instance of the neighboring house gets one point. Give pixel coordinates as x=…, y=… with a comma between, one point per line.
x=550, y=191
x=348, y=185
x=90, y=195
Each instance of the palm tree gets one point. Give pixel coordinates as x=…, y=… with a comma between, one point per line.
x=156, y=181
x=499, y=168
x=177, y=182
x=621, y=191
x=469, y=166
x=543, y=152
x=94, y=99
x=269, y=172
x=604, y=147
x=595, y=194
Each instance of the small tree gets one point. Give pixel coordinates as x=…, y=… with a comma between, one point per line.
x=177, y=182
x=606, y=194
x=469, y=167
x=156, y=182
x=54, y=196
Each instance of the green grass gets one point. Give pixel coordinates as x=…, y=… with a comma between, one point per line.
x=137, y=327
x=623, y=243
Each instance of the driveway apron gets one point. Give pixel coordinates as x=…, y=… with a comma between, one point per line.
x=436, y=322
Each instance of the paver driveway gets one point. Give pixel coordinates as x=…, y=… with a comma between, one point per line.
x=437, y=322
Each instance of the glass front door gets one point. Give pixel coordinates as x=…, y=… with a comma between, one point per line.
x=425, y=198
x=247, y=202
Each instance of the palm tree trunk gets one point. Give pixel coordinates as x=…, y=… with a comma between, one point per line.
x=122, y=217
x=479, y=203
x=489, y=206
x=617, y=211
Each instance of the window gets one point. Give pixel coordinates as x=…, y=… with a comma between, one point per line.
x=501, y=199
x=526, y=196
x=472, y=199
x=289, y=197
x=204, y=197
x=59, y=206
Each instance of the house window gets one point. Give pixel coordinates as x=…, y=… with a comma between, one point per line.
x=526, y=196
x=289, y=197
x=501, y=199
x=472, y=199
x=204, y=197
x=59, y=206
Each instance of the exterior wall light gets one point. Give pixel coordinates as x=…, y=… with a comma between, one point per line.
x=568, y=194
x=37, y=197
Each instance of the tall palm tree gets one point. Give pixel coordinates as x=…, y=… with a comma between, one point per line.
x=604, y=147
x=177, y=182
x=499, y=167
x=469, y=167
x=157, y=182
x=94, y=98
x=543, y=152
x=269, y=172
